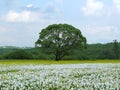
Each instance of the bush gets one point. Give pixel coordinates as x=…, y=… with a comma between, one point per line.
x=18, y=54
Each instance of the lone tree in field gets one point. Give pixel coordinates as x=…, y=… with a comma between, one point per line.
x=60, y=39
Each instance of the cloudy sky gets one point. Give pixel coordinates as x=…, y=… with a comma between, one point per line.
x=22, y=20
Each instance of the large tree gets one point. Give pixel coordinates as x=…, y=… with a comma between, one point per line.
x=60, y=39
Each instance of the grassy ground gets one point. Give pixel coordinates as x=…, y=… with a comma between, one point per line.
x=56, y=62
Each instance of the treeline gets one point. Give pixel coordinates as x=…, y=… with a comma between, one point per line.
x=93, y=51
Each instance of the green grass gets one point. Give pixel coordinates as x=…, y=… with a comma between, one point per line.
x=56, y=62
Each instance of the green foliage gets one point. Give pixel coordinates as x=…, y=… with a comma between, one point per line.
x=37, y=53
x=59, y=39
x=102, y=51
x=93, y=52
x=116, y=49
x=18, y=54
x=77, y=55
x=106, y=54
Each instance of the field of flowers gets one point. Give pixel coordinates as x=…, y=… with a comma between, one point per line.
x=60, y=77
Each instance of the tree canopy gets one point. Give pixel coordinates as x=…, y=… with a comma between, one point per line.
x=60, y=39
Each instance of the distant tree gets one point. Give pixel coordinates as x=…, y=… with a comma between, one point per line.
x=116, y=49
x=18, y=54
x=60, y=39
x=106, y=54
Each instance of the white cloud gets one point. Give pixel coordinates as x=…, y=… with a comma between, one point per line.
x=29, y=5
x=2, y=29
x=93, y=7
x=101, y=33
x=117, y=4
x=13, y=16
x=4, y=35
x=25, y=16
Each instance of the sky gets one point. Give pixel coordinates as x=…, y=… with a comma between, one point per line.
x=22, y=20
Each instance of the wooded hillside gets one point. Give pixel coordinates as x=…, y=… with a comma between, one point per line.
x=93, y=51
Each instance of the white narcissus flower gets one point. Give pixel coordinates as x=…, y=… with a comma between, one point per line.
x=66, y=76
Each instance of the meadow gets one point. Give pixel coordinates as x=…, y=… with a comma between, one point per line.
x=60, y=75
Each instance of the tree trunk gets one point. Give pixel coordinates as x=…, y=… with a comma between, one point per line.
x=57, y=56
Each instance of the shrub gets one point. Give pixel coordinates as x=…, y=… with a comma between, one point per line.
x=18, y=54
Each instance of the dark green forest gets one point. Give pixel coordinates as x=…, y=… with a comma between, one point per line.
x=93, y=51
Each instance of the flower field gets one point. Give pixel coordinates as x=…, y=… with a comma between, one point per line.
x=60, y=77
